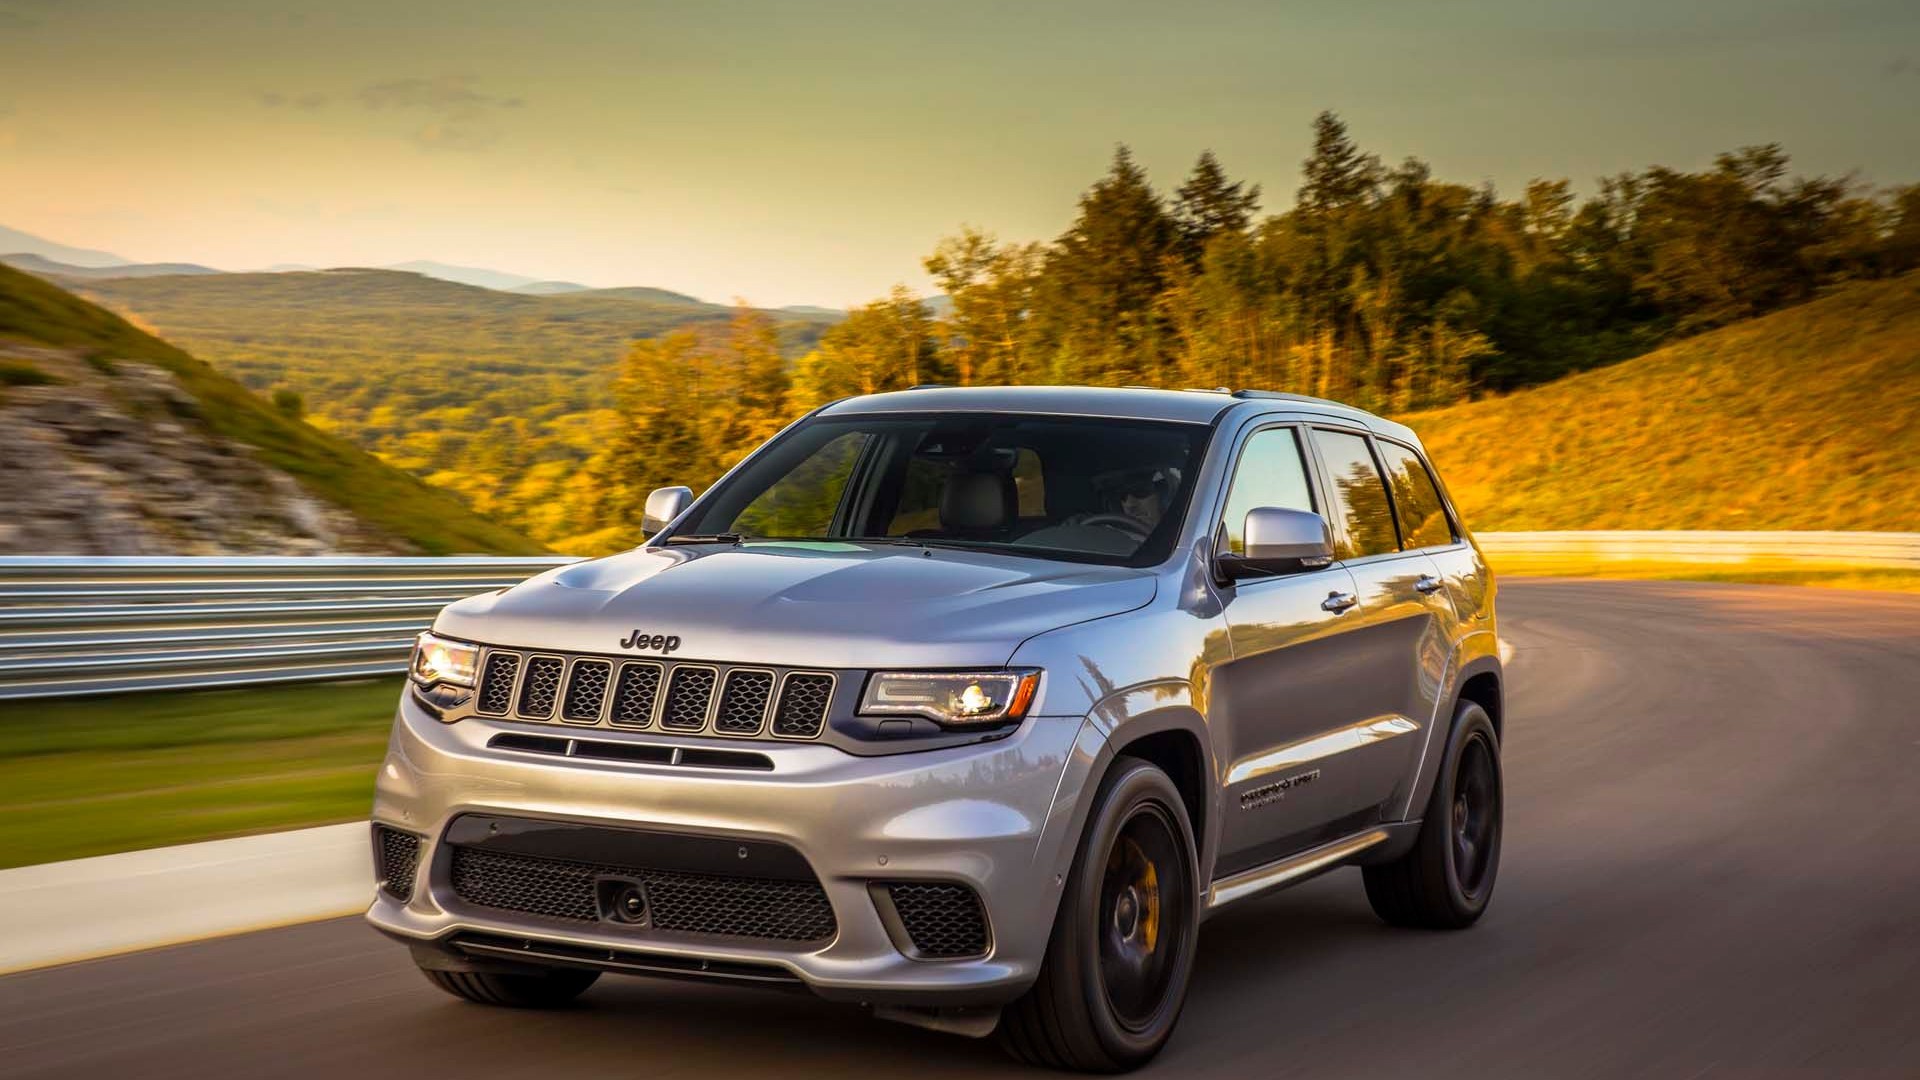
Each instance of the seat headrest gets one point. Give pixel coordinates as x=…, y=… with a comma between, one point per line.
x=975, y=500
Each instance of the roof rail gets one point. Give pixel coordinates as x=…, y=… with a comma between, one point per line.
x=931, y=386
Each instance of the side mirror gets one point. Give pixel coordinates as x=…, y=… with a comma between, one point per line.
x=1281, y=541
x=663, y=505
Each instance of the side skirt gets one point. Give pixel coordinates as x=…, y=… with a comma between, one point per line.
x=1300, y=866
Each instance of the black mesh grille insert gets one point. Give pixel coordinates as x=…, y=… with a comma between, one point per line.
x=942, y=919
x=496, y=683
x=803, y=705
x=677, y=901
x=743, y=701
x=634, y=695
x=540, y=686
x=399, y=854
x=586, y=689
x=688, y=691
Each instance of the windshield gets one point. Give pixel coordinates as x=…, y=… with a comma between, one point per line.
x=1086, y=489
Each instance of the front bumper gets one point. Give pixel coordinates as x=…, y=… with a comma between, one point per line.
x=994, y=816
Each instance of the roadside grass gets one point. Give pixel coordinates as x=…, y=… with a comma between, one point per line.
x=1889, y=580
x=92, y=776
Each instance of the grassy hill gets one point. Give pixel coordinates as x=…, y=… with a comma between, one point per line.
x=36, y=312
x=496, y=395
x=1805, y=419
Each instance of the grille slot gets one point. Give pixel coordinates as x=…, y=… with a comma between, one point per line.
x=496, y=683
x=634, y=695
x=677, y=901
x=743, y=701
x=803, y=704
x=540, y=686
x=942, y=919
x=398, y=856
x=586, y=691
x=689, y=691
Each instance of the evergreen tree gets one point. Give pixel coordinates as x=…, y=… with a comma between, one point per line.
x=1103, y=277
x=1208, y=205
x=1337, y=175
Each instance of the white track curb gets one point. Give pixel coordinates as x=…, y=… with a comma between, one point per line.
x=57, y=913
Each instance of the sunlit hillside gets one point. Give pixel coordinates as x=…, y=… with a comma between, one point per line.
x=475, y=389
x=36, y=315
x=1808, y=418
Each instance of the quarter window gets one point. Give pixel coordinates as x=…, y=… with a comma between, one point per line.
x=1271, y=473
x=1359, y=496
x=1423, y=517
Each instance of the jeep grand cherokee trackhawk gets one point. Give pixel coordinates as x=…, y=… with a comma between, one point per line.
x=966, y=704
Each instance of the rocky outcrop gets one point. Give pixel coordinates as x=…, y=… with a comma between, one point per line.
x=111, y=458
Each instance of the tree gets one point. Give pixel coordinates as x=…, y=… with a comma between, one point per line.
x=988, y=333
x=1336, y=175
x=886, y=345
x=1208, y=205
x=1102, y=278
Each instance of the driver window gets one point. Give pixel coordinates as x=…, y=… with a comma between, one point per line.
x=1271, y=473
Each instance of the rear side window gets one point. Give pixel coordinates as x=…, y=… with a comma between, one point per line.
x=1271, y=472
x=1423, y=518
x=1359, y=496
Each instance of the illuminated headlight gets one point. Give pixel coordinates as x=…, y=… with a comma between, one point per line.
x=952, y=698
x=443, y=660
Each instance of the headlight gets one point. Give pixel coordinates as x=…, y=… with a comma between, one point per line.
x=443, y=660
x=952, y=698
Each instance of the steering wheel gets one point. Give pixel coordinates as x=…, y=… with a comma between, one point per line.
x=1122, y=522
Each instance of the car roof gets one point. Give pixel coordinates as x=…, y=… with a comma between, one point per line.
x=1118, y=402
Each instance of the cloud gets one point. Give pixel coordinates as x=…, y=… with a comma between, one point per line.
x=274, y=99
x=453, y=114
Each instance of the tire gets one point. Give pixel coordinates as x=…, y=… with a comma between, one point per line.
x=1116, y=968
x=1445, y=881
x=547, y=990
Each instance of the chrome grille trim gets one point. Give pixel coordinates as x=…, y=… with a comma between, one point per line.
x=506, y=676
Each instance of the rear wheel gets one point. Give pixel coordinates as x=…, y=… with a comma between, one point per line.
x=544, y=990
x=1444, y=883
x=1116, y=968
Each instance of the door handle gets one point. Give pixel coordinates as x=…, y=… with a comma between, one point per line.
x=1338, y=602
x=1427, y=583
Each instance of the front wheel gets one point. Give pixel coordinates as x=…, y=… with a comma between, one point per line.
x=1116, y=968
x=1444, y=883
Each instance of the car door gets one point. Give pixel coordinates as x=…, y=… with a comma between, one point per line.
x=1428, y=524
x=1398, y=634
x=1285, y=684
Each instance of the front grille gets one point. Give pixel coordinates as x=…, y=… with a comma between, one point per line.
x=677, y=901
x=689, y=689
x=398, y=854
x=634, y=695
x=942, y=919
x=743, y=701
x=688, y=697
x=803, y=705
x=540, y=686
x=496, y=683
x=586, y=689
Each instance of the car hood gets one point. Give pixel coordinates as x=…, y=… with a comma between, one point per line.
x=804, y=605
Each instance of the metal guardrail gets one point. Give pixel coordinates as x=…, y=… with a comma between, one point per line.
x=81, y=625
x=1542, y=552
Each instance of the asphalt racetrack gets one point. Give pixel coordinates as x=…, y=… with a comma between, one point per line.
x=1712, y=869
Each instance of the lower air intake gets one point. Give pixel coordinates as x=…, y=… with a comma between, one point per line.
x=942, y=919
x=677, y=901
x=397, y=856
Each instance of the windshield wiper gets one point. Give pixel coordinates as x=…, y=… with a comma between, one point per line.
x=705, y=538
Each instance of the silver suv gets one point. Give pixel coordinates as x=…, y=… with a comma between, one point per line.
x=966, y=704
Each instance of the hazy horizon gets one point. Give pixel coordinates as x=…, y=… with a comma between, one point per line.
x=812, y=155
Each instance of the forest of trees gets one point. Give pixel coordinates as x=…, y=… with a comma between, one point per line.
x=1381, y=286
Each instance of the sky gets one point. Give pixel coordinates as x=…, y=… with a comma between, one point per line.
x=814, y=153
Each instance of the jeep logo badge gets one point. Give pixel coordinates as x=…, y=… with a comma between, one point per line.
x=640, y=639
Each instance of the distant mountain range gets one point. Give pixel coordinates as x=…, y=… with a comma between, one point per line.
x=36, y=255
x=13, y=240
x=36, y=264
